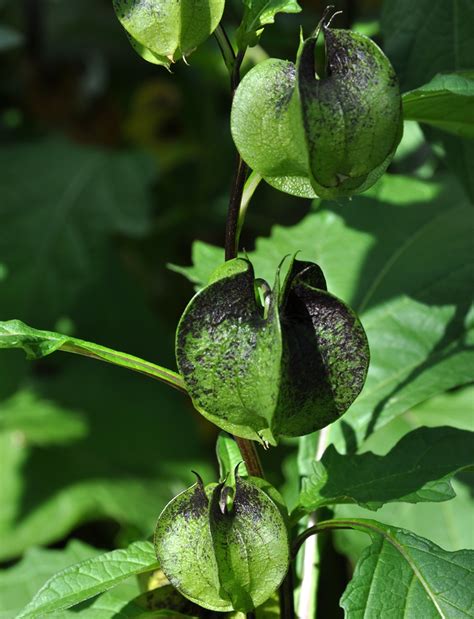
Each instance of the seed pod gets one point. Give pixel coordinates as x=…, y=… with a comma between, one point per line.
x=288, y=367
x=216, y=555
x=162, y=31
x=329, y=135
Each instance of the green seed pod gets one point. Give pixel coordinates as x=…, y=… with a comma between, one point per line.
x=224, y=554
x=289, y=365
x=163, y=31
x=329, y=135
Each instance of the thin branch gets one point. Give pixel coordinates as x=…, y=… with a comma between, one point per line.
x=310, y=572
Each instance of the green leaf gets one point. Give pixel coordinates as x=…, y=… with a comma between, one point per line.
x=232, y=546
x=454, y=408
x=403, y=575
x=447, y=102
x=167, y=29
x=103, y=486
x=81, y=197
x=332, y=134
x=18, y=583
x=38, y=344
x=39, y=422
x=229, y=456
x=86, y=579
x=260, y=13
x=408, y=34
x=298, y=360
x=448, y=524
x=408, y=28
x=419, y=468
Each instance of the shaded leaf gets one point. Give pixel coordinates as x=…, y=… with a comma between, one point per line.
x=19, y=583
x=419, y=468
x=86, y=579
x=447, y=102
x=408, y=576
x=408, y=28
x=80, y=198
x=39, y=422
x=447, y=524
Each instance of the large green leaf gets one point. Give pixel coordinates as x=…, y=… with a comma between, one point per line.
x=408, y=29
x=454, y=408
x=418, y=327
x=417, y=469
x=19, y=583
x=402, y=575
x=448, y=524
x=89, y=577
x=260, y=13
x=128, y=422
x=39, y=422
x=447, y=102
x=80, y=197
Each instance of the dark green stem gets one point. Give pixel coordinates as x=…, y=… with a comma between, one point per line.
x=233, y=62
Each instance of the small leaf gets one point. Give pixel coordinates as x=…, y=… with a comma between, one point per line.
x=162, y=31
x=287, y=367
x=447, y=102
x=259, y=13
x=229, y=456
x=418, y=468
x=86, y=579
x=405, y=576
x=232, y=548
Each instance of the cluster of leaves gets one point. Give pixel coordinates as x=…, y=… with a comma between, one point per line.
x=400, y=255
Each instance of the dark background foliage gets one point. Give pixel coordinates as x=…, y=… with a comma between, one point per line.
x=109, y=169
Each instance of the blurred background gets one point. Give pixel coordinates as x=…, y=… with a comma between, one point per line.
x=109, y=169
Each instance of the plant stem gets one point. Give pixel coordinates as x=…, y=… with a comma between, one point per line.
x=250, y=186
x=310, y=570
x=233, y=62
x=101, y=353
x=232, y=223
